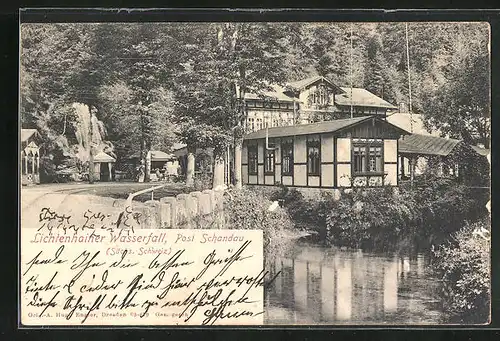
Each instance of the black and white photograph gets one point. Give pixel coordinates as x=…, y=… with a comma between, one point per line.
x=361, y=150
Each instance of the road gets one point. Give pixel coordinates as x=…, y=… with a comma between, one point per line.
x=76, y=198
x=31, y=194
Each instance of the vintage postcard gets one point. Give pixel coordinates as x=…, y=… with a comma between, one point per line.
x=254, y=173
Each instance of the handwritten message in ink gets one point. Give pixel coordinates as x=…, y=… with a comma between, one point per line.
x=142, y=277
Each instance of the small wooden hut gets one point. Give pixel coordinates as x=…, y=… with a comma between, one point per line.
x=103, y=164
x=30, y=156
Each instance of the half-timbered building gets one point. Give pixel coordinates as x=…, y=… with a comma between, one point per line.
x=310, y=100
x=360, y=151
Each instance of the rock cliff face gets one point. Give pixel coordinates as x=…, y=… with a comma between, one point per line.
x=89, y=131
x=72, y=161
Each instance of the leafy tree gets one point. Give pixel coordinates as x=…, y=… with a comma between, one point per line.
x=460, y=107
x=147, y=82
x=150, y=60
x=229, y=60
x=50, y=81
x=122, y=72
x=375, y=80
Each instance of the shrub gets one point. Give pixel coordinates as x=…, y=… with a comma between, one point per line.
x=445, y=207
x=370, y=217
x=245, y=209
x=202, y=181
x=385, y=218
x=464, y=266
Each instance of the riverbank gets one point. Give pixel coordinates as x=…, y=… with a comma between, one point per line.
x=441, y=218
x=387, y=218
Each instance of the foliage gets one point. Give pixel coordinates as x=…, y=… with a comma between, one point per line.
x=226, y=61
x=382, y=218
x=148, y=82
x=446, y=206
x=119, y=71
x=248, y=210
x=464, y=267
x=202, y=181
x=461, y=107
x=308, y=214
x=373, y=217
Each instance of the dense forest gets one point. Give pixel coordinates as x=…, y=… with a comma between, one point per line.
x=150, y=84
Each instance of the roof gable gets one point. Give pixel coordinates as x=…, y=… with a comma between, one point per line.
x=26, y=134
x=103, y=157
x=334, y=126
x=158, y=155
x=305, y=83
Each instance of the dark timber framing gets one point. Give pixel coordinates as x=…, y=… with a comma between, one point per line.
x=335, y=162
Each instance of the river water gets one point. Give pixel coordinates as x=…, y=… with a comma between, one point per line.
x=320, y=285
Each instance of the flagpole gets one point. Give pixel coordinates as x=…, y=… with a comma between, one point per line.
x=352, y=109
x=409, y=79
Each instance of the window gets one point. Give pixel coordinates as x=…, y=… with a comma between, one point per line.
x=359, y=160
x=251, y=124
x=367, y=156
x=287, y=157
x=313, y=155
x=252, y=160
x=320, y=96
x=259, y=123
x=375, y=159
x=269, y=164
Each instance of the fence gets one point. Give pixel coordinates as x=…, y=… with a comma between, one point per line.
x=190, y=211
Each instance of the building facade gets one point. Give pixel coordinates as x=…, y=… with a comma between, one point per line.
x=361, y=151
x=310, y=100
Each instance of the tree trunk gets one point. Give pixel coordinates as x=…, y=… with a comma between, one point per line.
x=218, y=179
x=237, y=163
x=147, y=166
x=190, y=168
x=413, y=162
x=91, y=154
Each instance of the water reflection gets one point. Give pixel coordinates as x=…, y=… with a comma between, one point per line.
x=320, y=285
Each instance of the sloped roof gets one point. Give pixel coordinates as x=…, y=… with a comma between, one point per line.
x=177, y=146
x=427, y=145
x=303, y=83
x=361, y=97
x=103, y=157
x=157, y=155
x=481, y=151
x=313, y=128
x=404, y=120
x=27, y=133
x=277, y=94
